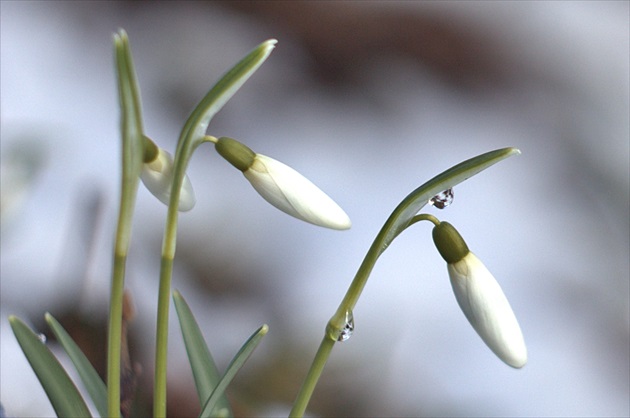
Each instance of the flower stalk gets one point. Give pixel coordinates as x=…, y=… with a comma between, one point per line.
x=192, y=135
x=401, y=218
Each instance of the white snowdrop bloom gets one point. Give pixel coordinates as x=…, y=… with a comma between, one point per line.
x=283, y=187
x=294, y=194
x=480, y=297
x=157, y=176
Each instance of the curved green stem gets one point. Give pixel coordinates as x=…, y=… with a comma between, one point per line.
x=424, y=217
x=401, y=218
x=192, y=135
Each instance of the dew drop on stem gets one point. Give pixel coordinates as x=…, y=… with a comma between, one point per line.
x=442, y=199
x=348, y=329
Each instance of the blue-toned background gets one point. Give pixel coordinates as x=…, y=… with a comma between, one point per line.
x=368, y=100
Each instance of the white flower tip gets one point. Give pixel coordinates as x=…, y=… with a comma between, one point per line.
x=488, y=310
x=157, y=177
x=292, y=193
x=187, y=198
x=517, y=361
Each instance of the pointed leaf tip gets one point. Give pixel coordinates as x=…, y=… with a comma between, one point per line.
x=205, y=372
x=92, y=381
x=64, y=396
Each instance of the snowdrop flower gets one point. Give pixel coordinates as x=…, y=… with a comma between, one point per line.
x=283, y=187
x=157, y=176
x=481, y=298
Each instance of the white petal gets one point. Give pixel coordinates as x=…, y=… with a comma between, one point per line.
x=157, y=176
x=292, y=193
x=488, y=310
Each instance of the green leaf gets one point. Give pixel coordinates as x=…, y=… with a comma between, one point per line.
x=416, y=200
x=224, y=89
x=194, y=130
x=129, y=97
x=202, y=364
x=62, y=393
x=90, y=378
x=131, y=129
x=235, y=365
x=132, y=160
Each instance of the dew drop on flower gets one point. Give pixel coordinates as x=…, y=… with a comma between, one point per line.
x=442, y=199
x=348, y=329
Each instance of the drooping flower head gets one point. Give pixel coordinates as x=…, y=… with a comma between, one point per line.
x=283, y=187
x=480, y=297
x=157, y=176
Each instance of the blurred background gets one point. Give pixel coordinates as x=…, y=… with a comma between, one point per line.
x=368, y=100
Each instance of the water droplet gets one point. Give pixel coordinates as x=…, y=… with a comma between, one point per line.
x=42, y=338
x=442, y=199
x=348, y=329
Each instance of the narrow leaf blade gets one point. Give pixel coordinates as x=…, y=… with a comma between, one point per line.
x=235, y=365
x=62, y=393
x=90, y=378
x=204, y=369
x=416, y=200
x=224, y=89
x=131, y=110
x=194, y=130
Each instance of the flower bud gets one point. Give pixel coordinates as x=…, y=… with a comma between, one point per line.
x=294, y=194
x=237, y=154
x=480, y=297
x=283, y=187
x=157, y=176
x=449, y=243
